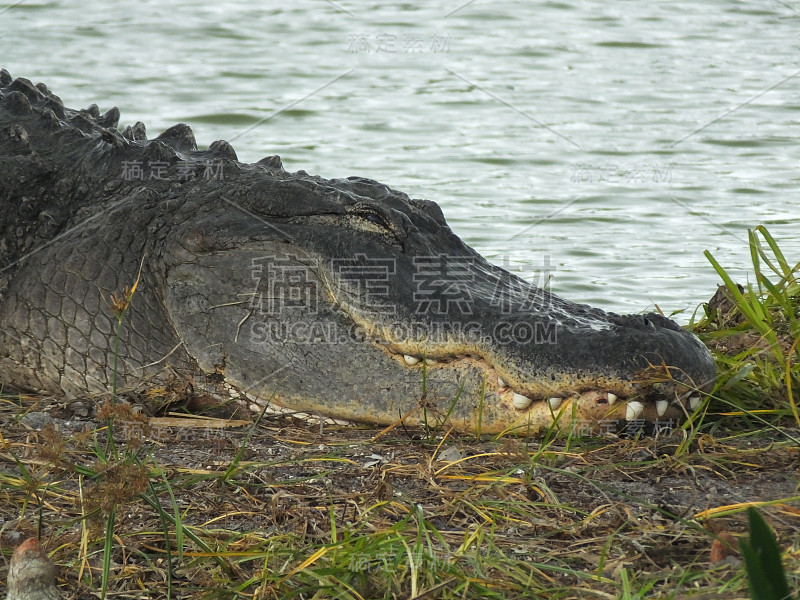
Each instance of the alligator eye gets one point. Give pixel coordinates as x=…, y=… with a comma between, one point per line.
x=375, y=219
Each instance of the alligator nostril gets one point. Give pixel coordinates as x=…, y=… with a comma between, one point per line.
x=609, y=399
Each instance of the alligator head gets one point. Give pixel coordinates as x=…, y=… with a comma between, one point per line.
x=340, y=297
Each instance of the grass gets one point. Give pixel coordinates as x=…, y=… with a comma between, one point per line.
x=302, y=513
x=764, y=564
x=754, y=333
x=302, y=517
x=275, y=508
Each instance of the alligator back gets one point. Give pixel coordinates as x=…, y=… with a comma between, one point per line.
x=84, y=208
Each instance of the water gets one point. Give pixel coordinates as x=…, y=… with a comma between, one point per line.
x=614, y=142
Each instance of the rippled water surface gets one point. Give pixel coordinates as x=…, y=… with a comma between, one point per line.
x=612, y=141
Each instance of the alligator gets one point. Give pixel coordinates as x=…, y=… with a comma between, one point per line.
x=342, y=298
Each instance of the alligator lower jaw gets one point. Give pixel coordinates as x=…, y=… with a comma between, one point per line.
x=588, y=407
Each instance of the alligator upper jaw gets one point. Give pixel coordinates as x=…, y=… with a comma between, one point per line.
x=589, y=368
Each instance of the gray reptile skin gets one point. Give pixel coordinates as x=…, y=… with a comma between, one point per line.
x=86, y=205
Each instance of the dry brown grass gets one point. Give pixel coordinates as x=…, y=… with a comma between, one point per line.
x=288, y=510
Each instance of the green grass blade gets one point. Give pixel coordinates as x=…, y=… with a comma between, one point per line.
x=480, y=408
x=332, y=520
x=752, y=309
x=226, y=568
x=757, y=251
x=785, y=270
x=766, y=578
x=164, y=526
x=453, y=404
x=178, y=521
x=108, y=547
x=740, y=300
x=165, y=529
x=240, y=453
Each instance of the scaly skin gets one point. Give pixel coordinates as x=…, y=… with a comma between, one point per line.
x=316, y=295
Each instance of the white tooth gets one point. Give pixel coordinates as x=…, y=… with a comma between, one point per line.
x=430, y=361
x=661, y=407
x=554, y=403
x=634, y=410
x=694, y=402
x=501, y=383
x=611, y=398
x=410, y=360
x=519, y=401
